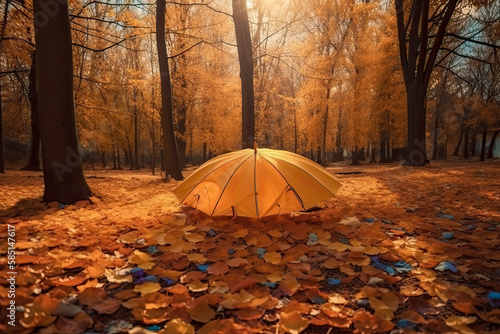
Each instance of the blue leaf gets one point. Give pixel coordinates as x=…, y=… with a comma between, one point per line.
x=344, y=240
x=154, y=328
x=152, y=249
x=334, y=281
x=164, y=281
x=377, y=264
x=260, y=251
x=402, y=266
x=313, y=237
x=494, y=299
x=445, y=216
x=151, y=278
x=61, y=206
x=230, y=251
x=370, y=220
x=405, y=323
x=362, y=302
x=271, y=285
x=212, y=233
x=137, y=272
x=318, y=300
x=447, y=235
x=446, y=265
x=202, y=267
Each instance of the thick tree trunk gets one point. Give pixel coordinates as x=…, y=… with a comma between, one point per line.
x=244, y=44
x=171, y=158
x=416, y=154
x=492, y=145
x=459, y=143
x=318, y=156
x=483, y=143
x=62, y=164
x=34, y=154
x=103, y=159
x=2, y=33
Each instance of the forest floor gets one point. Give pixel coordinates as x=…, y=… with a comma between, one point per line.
x=398, y=249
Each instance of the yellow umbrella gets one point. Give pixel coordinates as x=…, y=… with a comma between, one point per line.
x=256, y=183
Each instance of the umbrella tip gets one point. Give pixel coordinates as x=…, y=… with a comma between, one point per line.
x=255, y=146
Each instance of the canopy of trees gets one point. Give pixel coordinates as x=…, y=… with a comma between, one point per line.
x=328, y=81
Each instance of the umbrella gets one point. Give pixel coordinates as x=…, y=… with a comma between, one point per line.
x=256, y=183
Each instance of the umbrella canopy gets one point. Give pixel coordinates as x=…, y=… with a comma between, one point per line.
x=256, y=183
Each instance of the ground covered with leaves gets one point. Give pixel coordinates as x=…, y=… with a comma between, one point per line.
x=398, y=250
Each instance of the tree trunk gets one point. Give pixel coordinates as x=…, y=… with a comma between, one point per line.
x=171, y=158
x=459, y=143
x=62, y=163
x=492, y=145
x=325, y=127
x=118, y=158
x=383, y=157
x=204, y=157
x=131, y=158
x=483, y=143
x=125, y=157
x=34, y=154
x=114, y=157
x=181, y=141
x=473, y=144
x=435, y=138
x=2, y=33
x=373, y=160
x=136, y=136
x=466, y=144
x=2, y=163
x=153, y=144
x=416, y=152
x=318, y=156
x=355, y=157
x=103, y=159
x=417, y=64
x=244, y=45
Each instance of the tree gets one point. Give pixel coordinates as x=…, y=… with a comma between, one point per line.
x=417, y=64
x=62, y=166
x=2, y=32
x=244, y=43
x=172, y=166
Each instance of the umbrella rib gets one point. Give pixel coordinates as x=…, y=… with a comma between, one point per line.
x=305, y=171
x=294, y=192
x=255, y=183
x=203, y=179
x=215, y=207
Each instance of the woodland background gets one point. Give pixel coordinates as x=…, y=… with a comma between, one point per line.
x=327, y=79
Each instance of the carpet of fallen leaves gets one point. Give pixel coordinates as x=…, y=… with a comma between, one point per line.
x=398, y=250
